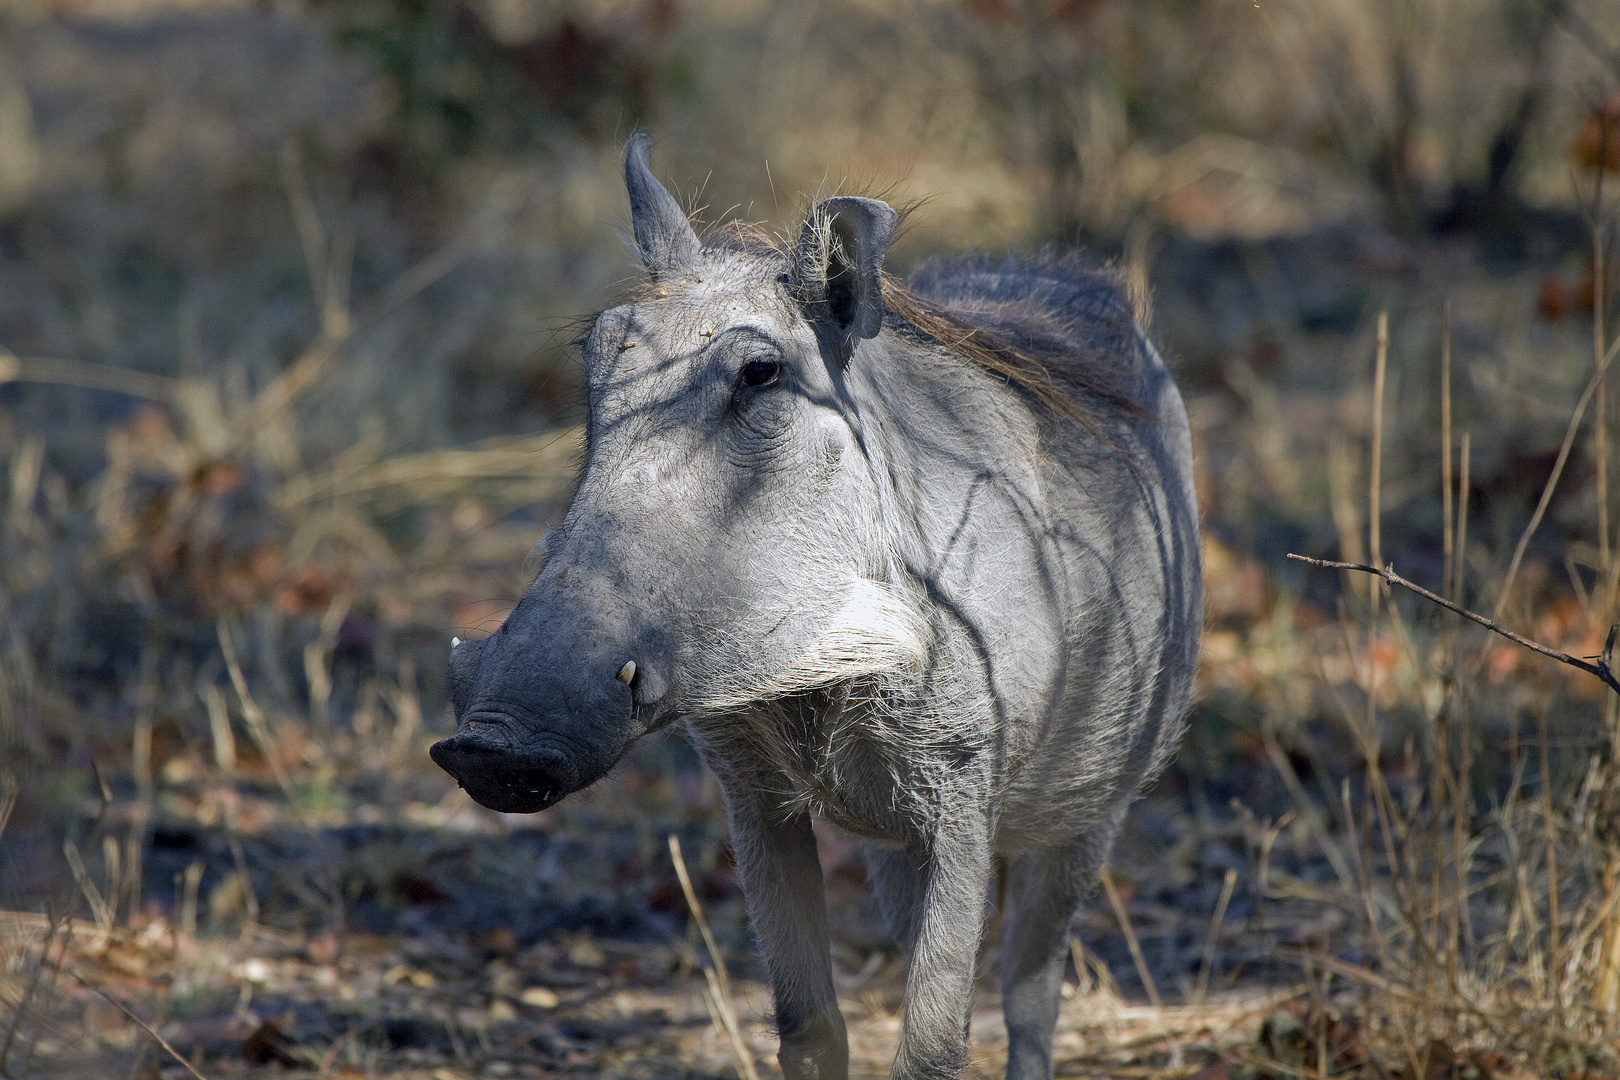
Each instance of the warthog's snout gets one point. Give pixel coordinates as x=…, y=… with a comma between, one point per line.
x=487, y=757
x=536, y=724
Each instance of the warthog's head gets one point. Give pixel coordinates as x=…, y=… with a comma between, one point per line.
x=725, y=545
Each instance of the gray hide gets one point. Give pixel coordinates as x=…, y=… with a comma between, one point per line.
x=880, y=582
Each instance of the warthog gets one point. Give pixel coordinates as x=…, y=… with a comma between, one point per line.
x=920, y=558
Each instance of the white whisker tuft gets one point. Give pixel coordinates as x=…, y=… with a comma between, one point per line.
x=875, y=632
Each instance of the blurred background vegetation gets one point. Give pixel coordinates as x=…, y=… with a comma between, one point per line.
x=288, y=290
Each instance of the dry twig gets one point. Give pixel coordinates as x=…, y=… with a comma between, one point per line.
x=1130, y=939
x=144, y=1026
x=1601, y=668
x=256, y=722
x=719, y=988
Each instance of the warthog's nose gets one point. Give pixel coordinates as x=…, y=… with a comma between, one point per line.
x=500, y=776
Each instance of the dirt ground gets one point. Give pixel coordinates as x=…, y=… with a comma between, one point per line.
x=456, y=942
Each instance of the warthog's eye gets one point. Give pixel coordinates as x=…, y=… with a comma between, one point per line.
x=760, y=372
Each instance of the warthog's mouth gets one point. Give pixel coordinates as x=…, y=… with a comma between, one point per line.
x=512, y=779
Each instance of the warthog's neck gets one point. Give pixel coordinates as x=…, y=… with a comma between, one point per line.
x=872, y=758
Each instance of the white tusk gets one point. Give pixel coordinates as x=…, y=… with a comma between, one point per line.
x=454, y=642
x=627, y=672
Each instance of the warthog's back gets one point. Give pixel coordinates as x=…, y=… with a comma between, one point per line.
x=1117, y=520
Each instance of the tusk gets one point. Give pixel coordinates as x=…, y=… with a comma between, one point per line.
x=627, y=672
x=454, y=642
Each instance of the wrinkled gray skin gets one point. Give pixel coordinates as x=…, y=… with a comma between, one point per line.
x=883, y=586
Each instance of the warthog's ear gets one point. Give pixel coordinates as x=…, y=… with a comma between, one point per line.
x=664, y=237
x=839, y=264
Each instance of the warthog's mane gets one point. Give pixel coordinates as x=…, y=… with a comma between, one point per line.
x=1061, y=333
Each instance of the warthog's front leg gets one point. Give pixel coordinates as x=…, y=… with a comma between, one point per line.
x=939, y=988
x=776, y=854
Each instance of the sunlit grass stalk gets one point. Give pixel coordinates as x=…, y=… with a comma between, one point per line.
x=1365, y=732
x=719, y=980
x=20, y=1008
x=1599, y=342
x=99, y=910
x=219, y=727
x=250, y=899
x=1549, y=834
x=1449, y=550
x=8, y=798
x=1444, y=908
x=1129, y=931
x=258, y=727
x=1463, y=813
x=190, y=883
x=1207, y=963
x=1375, y=472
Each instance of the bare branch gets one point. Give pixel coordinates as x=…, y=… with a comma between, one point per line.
x=1601, y=669
x=119, y=380
x=144, y=1026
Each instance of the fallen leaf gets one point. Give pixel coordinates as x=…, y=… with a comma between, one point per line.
x=1598, y=144
x=268, y=1043
x=324, y=949
x=583, y=952
x=540, y=997
x=419, y=890
x=500, y=940
x=102, y=1017
x=404, y=973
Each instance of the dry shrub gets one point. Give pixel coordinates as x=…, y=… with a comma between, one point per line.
x=1483, y=881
